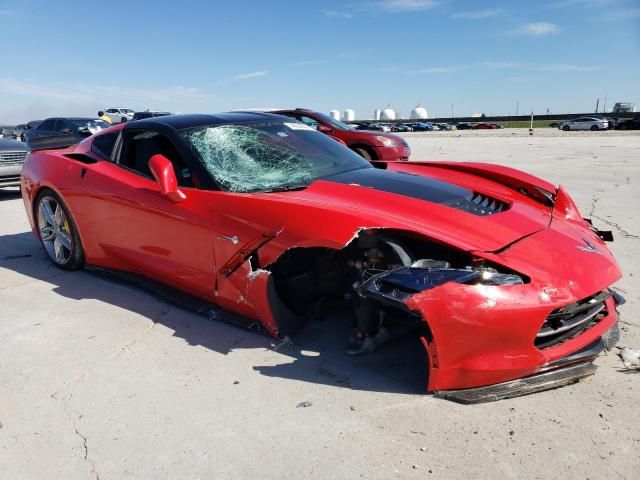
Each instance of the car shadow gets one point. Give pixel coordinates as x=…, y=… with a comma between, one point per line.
x=315, y=355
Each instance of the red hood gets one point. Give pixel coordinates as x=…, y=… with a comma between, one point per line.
x=437, y=209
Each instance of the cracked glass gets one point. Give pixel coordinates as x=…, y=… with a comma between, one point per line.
x=268, y=156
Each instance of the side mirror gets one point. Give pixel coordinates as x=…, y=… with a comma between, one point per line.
x=324, y=129
x=65, y=131
x=162, y=170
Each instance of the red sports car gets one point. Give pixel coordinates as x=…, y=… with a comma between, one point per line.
x=258, y=219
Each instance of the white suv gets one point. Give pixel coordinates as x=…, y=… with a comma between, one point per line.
x=119, y=115
x=584, y=123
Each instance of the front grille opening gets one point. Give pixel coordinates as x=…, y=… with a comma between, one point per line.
x=566, y=323
x=12, y=158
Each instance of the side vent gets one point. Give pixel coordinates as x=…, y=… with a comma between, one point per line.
x=81, y=157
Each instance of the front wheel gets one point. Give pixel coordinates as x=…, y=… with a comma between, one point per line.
x=594, y=128
x=566, y=128
x=364, y=153
x=58, y=233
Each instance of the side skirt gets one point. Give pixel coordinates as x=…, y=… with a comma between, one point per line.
x=178, y=298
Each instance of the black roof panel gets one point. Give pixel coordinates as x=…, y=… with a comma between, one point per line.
x=180, y=122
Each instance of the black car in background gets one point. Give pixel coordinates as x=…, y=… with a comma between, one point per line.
x=149, y=114
x=57, y=132
x=631, y=124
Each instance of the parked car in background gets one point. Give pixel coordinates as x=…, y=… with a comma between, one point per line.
x=149, y=114
x=370, y=145
x=12, y=155
x=464, y=126
x=18, y=131
x=56, y=132
x=6, y=131
x=485, y=126
x=374, y=127
x=119, y=115
x=584, y=123
x=422, y=126
x=401, y=127
x=30, y=124
x=631, y=124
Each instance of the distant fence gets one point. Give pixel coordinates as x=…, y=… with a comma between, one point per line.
x=505, y=118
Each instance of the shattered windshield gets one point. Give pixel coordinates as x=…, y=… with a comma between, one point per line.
x=268, y=156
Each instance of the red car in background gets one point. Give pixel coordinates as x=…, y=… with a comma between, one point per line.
x=369, y=145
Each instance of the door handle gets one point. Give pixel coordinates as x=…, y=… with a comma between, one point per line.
x=233, y=239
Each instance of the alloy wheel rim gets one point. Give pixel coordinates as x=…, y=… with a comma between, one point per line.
x=55, y=230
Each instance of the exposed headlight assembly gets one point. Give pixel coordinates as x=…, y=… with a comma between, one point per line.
x=401, y=283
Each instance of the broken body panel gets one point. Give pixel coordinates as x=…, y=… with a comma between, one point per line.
x=474, y=334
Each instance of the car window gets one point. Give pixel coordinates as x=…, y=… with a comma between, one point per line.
x=111, y=110
x=47, y=125
x=60, y=125
x=102, y=145
x=140, y=146
x=312, y=122
x=269, y=155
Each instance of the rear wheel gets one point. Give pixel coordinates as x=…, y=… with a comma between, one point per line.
x=58, y=233
x=364, y=153
x=566, y=128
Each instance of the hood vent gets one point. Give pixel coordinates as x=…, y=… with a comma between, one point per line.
x=480, y=204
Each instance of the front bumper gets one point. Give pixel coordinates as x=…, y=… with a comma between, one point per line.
x=401, y=152
x=565, y=371
x=10, y=175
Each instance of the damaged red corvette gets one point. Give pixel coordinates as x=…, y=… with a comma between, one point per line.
x=257, y=219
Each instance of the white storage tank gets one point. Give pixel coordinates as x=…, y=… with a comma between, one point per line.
x=349, y=115
x=335, y=114
x=419, y=113
x=388, y=114
x=376, y=114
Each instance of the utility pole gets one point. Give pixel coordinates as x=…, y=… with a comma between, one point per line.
x=597, y=104
x=604, y=108
x=452, y=111
x=517, y=107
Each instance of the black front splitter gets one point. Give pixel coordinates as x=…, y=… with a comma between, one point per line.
x=522, y=386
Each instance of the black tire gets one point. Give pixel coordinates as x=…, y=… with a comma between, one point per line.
x=364, y=153
x=566, y=128
x=594, y=128
x=72, y=257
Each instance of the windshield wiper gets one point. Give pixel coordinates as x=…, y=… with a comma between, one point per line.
x=285, y=188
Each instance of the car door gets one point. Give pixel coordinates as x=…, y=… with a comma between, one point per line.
x=45, y=128
x=62, y=127
x=127, y=224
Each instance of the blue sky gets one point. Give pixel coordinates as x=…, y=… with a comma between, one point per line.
x=68, y=57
